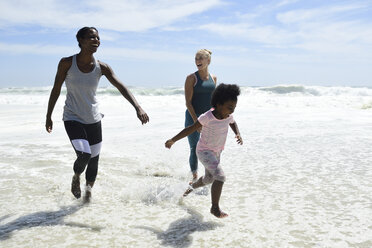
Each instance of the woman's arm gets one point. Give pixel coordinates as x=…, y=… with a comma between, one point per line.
x=189, y=91
x=234, y=127
x=214, y=79
x=63, y=66
x=185, y=132
x=114, y=80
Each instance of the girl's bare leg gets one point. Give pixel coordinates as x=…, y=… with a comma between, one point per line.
x=216, y=194
x=193, y=186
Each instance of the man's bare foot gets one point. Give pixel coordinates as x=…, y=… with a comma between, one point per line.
x=88, y=194
x=216, y=211
x=75, y=186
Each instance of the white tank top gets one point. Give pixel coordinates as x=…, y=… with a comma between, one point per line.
x=81, y=104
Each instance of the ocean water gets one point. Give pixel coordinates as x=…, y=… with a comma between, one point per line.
x=302, y=178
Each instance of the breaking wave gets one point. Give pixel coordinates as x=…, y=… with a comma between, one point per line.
x=166, y=91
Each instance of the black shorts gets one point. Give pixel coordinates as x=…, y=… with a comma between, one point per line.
x=85, y=137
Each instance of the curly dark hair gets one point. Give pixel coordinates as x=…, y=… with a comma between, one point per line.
x=83, y=32
x=224, y=93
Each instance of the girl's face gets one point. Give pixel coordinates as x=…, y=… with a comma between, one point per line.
x=226, y=109
x=202, y=61
x=91, y=41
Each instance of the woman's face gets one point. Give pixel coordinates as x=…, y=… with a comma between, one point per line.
x=91, y=41
x=202, y=61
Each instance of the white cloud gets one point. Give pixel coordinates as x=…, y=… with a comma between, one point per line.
x=107, y=52
x=286, y=2
x=39, y=49
x=223, y=56
x=267, y=35
x=341, y=38
x=325, y=13
x=143, y=54
x=321, y=29
x=118, y=15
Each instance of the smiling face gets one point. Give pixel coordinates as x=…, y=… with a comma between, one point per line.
x=226, y=109
x=90, y=41
x=202, y=60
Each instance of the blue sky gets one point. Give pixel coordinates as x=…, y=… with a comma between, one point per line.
x=153, y=42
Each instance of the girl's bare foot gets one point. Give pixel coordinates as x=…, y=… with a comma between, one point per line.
x=75, y=186
x=188, y=190
x=216, y=211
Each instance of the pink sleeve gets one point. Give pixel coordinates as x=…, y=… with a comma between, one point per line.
x=203, y=119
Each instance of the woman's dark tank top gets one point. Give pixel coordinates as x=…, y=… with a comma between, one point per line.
x=201, y=99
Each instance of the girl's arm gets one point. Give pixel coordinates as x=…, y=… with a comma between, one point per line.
x=114, y=80
x=63, y=66
x=234, y=127
x=185, y=132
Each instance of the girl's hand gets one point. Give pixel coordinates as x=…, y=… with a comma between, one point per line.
x=239, y=139
x=49, y=125
x=169, y=143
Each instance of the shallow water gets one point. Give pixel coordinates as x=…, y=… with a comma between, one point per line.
x=301, y=179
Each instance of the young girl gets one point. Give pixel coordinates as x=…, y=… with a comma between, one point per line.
x=214, y=124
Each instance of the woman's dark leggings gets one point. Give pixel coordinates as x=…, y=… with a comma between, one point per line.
x=193, y=141
x=86, y=140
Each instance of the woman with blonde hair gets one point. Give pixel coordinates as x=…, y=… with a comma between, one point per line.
x=198, y=92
